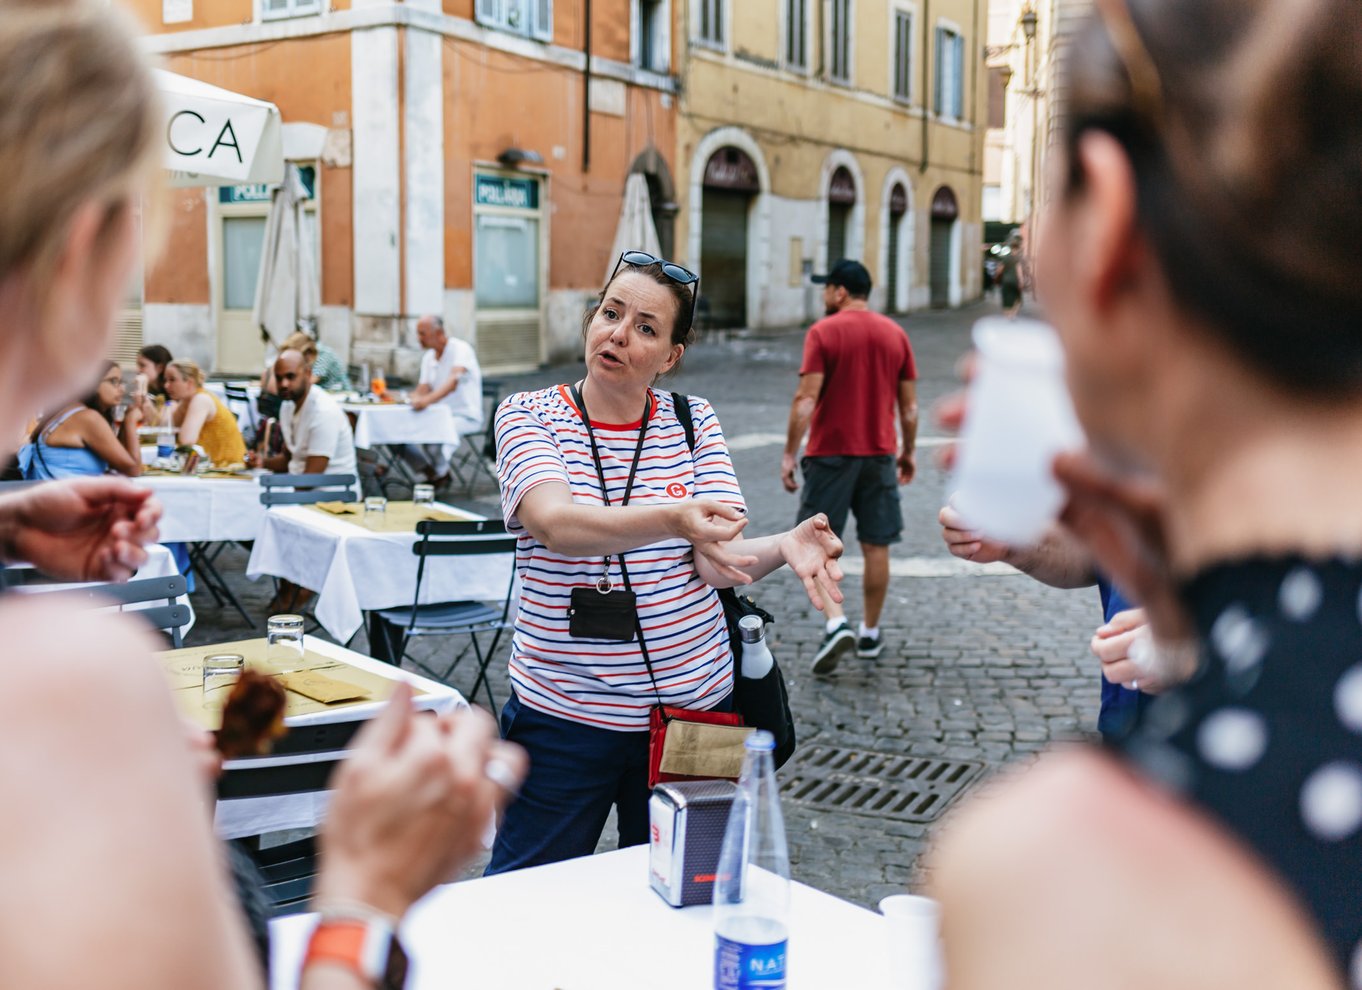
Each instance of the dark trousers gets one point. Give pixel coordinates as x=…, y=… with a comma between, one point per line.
x=577, y=773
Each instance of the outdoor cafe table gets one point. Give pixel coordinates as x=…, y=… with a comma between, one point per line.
x=206, y=509
x=354, y=570
x=383, y=423
x=595, y=924
x=243, y=816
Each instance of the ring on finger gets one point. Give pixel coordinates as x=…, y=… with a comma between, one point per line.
x=1134, y=685
x=499, y=772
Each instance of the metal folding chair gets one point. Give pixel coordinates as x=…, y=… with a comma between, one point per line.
x=449, y=539
x=306, y=489
x=168, y=618
x=477, y=451
x=237, y=395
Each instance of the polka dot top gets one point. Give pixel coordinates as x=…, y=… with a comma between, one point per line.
x=1268, y=735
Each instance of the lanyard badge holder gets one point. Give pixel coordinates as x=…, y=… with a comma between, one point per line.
x=682, y=744
x=603, y=612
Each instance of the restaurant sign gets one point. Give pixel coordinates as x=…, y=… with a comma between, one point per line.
x=495, y=190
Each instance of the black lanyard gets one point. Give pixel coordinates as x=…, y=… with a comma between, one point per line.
x=604, y=584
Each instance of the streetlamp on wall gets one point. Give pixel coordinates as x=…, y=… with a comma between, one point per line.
x=1029, y=21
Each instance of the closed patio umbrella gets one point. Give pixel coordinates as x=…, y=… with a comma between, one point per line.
x=636, y=231
x=287, y=289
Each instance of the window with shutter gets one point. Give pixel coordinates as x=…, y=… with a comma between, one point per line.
x=488, y=12
x=903, y=55
x=541, y=19
x=271, y=10
x=840, y=41
x=796, y=28
x=949, y=101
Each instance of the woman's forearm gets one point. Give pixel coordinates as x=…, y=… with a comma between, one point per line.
x=594, y=530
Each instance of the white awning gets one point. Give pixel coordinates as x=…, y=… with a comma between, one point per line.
x=215, y=137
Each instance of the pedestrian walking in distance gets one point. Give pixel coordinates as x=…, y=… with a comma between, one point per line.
x=856, y=379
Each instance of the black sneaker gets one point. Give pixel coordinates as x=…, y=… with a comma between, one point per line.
x=835, y=645
x=868, y=648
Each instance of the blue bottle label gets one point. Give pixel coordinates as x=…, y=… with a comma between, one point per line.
x=740, y=966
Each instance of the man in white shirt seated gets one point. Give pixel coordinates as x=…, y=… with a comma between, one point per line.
x=451, y=377
x=317, y=440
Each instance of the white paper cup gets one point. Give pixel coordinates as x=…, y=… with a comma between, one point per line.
x=912, y=927
x=1018, y=419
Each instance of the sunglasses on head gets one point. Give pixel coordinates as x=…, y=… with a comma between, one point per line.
x=673, y=271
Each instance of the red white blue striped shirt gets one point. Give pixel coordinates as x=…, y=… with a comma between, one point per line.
x=541, y=438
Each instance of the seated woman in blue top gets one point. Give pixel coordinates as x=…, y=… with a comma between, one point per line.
x=79, y=439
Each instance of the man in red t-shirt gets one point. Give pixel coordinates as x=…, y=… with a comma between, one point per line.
x=858, y=370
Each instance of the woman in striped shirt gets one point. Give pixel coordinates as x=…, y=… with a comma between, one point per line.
x=674, y=516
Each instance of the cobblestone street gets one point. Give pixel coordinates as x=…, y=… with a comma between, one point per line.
x=980, y=665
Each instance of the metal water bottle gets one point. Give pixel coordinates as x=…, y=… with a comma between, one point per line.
x=756, y=655
x=752, y=881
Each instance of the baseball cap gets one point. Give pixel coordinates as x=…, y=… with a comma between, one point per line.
x=850, y=275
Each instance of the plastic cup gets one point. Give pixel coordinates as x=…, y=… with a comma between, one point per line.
x=912, y=928
x=1019, y=419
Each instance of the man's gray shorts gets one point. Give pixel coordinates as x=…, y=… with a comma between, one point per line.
x=868, y=486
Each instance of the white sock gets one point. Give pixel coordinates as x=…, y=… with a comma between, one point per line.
x=834, y=623
x=869, y=633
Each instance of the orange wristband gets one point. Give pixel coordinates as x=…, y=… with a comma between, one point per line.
x=368, y=948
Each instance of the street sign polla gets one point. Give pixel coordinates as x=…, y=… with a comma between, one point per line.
x=214, y=137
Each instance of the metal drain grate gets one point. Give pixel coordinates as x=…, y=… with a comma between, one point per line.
x=880, y=785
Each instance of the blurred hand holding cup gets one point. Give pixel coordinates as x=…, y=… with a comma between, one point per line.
x=912, y=927
x=1019, y=418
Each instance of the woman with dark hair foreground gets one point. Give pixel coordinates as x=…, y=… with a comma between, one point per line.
x=1195, y=261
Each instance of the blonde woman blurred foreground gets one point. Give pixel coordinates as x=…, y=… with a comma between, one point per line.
x=1196, y=260
x=112, y=877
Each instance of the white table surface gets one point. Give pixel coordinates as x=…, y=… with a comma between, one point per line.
x=252, y=816
x=160, y=563
x=354, y=570
x=377, y=424
x=595, y=924
x=206, y=510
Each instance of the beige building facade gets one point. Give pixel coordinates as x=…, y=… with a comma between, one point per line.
x=812, y=130
x=1023, y=57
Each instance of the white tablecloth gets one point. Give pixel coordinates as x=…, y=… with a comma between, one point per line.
x=205, y=510
x=159, y=563
x=253, y=816
x=594, y=924
x=377, y=424
x=354, y=570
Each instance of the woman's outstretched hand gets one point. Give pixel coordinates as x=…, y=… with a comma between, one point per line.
x=811, y=550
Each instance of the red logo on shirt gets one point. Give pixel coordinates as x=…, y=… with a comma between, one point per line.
x=676, y=490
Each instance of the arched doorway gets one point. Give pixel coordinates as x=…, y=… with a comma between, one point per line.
x=841, y=201
x=730, y=182
x=898, y=212
x=661, y=195
x=945, y=215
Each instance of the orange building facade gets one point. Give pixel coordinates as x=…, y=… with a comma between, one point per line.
x=466, y=158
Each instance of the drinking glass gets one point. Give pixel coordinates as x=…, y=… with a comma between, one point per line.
x=423, y=494
x=220, y=670
x=284, y=641
x=375, y=504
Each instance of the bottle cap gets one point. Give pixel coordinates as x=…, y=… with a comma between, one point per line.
x=760, y=740
x=752, y=629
